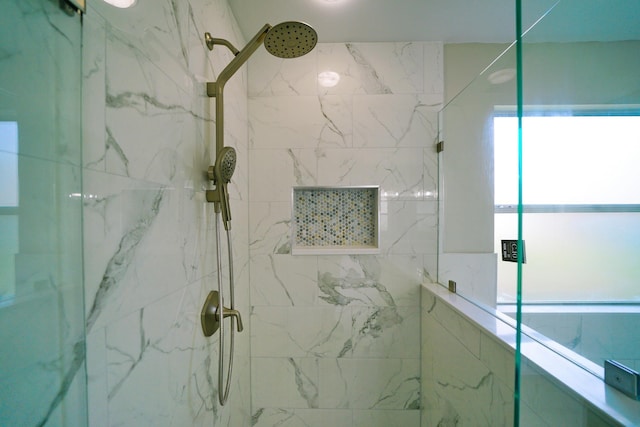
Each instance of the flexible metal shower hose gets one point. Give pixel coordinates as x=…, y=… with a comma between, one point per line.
x=223, y=395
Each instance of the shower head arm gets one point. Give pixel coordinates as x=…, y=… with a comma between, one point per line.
x=212, y=41
x=215, y=89
x=241, y=57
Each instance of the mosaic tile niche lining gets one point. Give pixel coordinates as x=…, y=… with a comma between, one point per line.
x=335, y=220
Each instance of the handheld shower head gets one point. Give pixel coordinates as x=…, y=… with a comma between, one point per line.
x=223, y=170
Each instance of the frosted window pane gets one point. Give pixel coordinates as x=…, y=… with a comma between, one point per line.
x=569, y=160
x=573, y=257
x=8, y=164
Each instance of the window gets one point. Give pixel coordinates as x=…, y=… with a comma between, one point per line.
x=581, y=205
x=8, y=209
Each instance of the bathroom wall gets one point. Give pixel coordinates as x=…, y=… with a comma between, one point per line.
x=149, y=234
x=335, y=338
x=468, y=366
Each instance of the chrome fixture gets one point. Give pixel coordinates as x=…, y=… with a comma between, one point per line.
x=286, y=40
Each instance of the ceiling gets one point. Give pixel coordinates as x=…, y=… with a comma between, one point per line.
x=450, y=21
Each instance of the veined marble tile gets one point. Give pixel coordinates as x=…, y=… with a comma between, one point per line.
x=94, y=91
x=157, y=31
x=430, y=169
x=270, y=228
x=271, y=417
x=97, y=386
x=408, y=227
x=551, y=404
x=135, y=253
x=463, y=388
x=301, y=332
x=271, y=76
x=564, y=328
x=370, y=383
x=166, y=337
x=282, y=280
x=217, y=18
x=455, y=324
x=378, y=418
x=386, y=332
x=433, y=69
x=406, y=120
x=398, y=172
x=284, y=383
x=274, y=173
x=300, y=122
x=367, y=280
x=373, y=68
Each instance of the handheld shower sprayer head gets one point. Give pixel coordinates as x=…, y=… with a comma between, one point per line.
x=223, y=171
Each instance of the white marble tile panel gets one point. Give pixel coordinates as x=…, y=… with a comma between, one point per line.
x=398, y=172
x=406, y=120
x=370, y=383
x=434, y=68
x=468, y=333
x=136, y=247
x=272, y=76
x=408, y=227
x=93, y=92
x=386, y=332
x=430, y=170
x=564, y=328
x=373, y=68
x=217, y=18
x=552, y=405
x=270, y=228
x=462, y=387
x=283, y=280
x=159, y=32
x=300, y=122
x=281, y=417
x=300, y=332
x=377, y=418
x=274, y=173
x=165, y=337
x=368, y=280
x=284, y=383
x=498, y=358
x=97, y=386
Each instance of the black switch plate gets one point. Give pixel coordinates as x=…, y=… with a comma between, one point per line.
x=510, y=251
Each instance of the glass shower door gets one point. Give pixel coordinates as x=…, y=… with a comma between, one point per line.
x=42, y=350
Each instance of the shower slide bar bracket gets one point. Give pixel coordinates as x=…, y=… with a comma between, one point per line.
x=210, y=317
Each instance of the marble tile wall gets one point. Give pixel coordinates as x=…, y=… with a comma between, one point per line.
x=335, y=338
x=149, y=234
x=468, y=367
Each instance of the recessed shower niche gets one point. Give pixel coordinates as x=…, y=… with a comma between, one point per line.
x=335, y=220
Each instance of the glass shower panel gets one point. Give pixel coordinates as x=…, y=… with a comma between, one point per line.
x=42, y=377
x=468, y=253
x=580, y=205
x=581, y=199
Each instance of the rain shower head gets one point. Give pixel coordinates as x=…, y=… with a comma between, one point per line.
x=290, y=39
